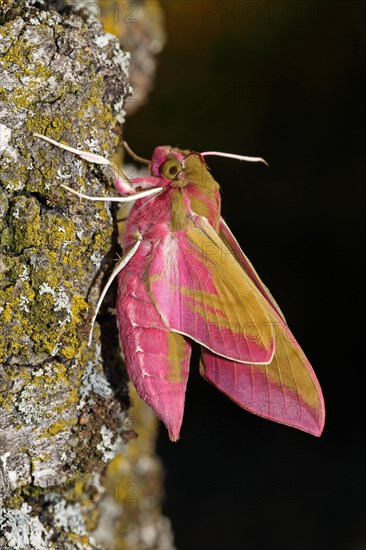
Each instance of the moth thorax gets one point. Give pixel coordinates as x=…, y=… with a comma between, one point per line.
x=179, y=183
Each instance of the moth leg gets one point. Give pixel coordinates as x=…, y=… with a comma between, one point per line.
x=123, y=261
x=121, y=181
x=128, y=198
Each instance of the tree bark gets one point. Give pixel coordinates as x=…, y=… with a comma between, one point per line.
x=63, y=404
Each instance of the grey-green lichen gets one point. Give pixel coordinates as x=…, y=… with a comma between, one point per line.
x=55, y=81
x=47, y=244
x=62, y=404
x=21, y=529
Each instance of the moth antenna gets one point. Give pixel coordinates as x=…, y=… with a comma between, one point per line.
x=232, y=156
x=117, y=268
x=133, y=155
x=129, y=198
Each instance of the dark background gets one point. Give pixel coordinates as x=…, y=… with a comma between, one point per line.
x=282, y=80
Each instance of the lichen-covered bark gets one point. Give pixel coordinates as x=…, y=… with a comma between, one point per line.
x=62, y=404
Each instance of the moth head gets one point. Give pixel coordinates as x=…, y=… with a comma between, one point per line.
x=169, y=164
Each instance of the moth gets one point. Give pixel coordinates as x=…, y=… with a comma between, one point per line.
x=183, y=277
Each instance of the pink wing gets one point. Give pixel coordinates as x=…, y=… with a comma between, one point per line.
x=157, y=359
x=201, y=291
x=286, y=390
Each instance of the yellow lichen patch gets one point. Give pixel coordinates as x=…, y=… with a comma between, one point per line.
x=15, y=501
x=6, y=313
x=102, y=212
x=70, y=351
x=55, y=126
x=56, y=231
x=57, y=427
x=47, y=270
x=6, y=397
x=78, y=305
x=26, y=231
x=55, y=375
x=20, y=54
x=80, y=541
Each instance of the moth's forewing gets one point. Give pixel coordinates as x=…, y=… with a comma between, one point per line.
x=199, y=291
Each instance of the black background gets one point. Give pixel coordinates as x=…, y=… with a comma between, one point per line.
x=282, y=80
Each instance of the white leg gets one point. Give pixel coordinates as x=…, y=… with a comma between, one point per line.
x=86, y=155
x=117, y=268
x=129, y=198
x=122, y=182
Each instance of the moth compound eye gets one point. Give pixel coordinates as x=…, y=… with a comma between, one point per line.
x=170, y=169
